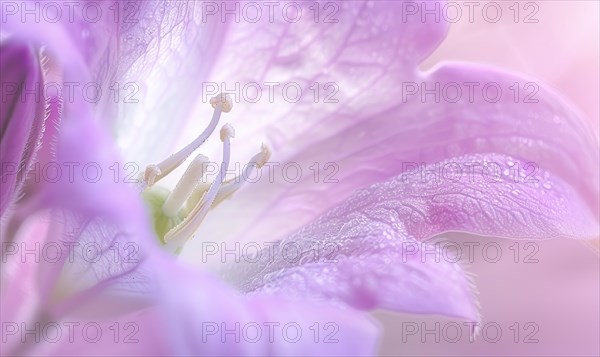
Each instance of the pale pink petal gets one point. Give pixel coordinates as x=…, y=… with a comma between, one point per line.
x=383, y=141
x=364, y=252
x=364, y=48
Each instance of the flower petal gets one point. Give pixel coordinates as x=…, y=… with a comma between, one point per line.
x=369, y=236
x=21, y=117
x=381, y=141
x=171, y=43
x=393, y=276
x=197, y=315
x=362, y=48
x=203, y=315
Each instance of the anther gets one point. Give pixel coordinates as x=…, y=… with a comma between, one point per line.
x=155, y=172
x=224, y=101
x=231, y=186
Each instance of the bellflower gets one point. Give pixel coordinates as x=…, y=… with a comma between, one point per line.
x=379, y=216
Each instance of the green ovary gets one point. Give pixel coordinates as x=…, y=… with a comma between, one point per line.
x=155, y=198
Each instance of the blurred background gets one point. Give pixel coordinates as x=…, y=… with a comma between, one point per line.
x=561, y=49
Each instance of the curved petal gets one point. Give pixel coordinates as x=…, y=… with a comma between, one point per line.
x=162, y=60
x=529, y=121
x=127, y=47
x=190, y=314
x=98, y=225
x=208, y=318
x=382, y=141
x=362, y=48
x=392, y=275
x=84, y=187
x=86, y=160
x=18, y=281
x=364, y=252
x=21, y=117
x=196, y=315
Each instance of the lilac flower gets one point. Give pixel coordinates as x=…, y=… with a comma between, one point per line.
x=369, y=134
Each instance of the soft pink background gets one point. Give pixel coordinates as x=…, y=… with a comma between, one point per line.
x=561, y=292
x=561, y=49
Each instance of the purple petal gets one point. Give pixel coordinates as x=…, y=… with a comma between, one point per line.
x=363, y=47
x=197, y=315
x=392, y=275
x=354, y=148
x=90, y=166
x=201, y=303
x=90, y=200
x=371, y=237
x=181, y=310
x=130, y=46
x=346, y=33
x=21, y=117
x=102, y=230
x=376, y=130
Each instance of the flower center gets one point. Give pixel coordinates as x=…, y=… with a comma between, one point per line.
x=178, y=214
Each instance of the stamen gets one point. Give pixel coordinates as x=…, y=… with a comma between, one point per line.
x=185, y=186
x=231, y=186
x=187, y=228
x=155, y=172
